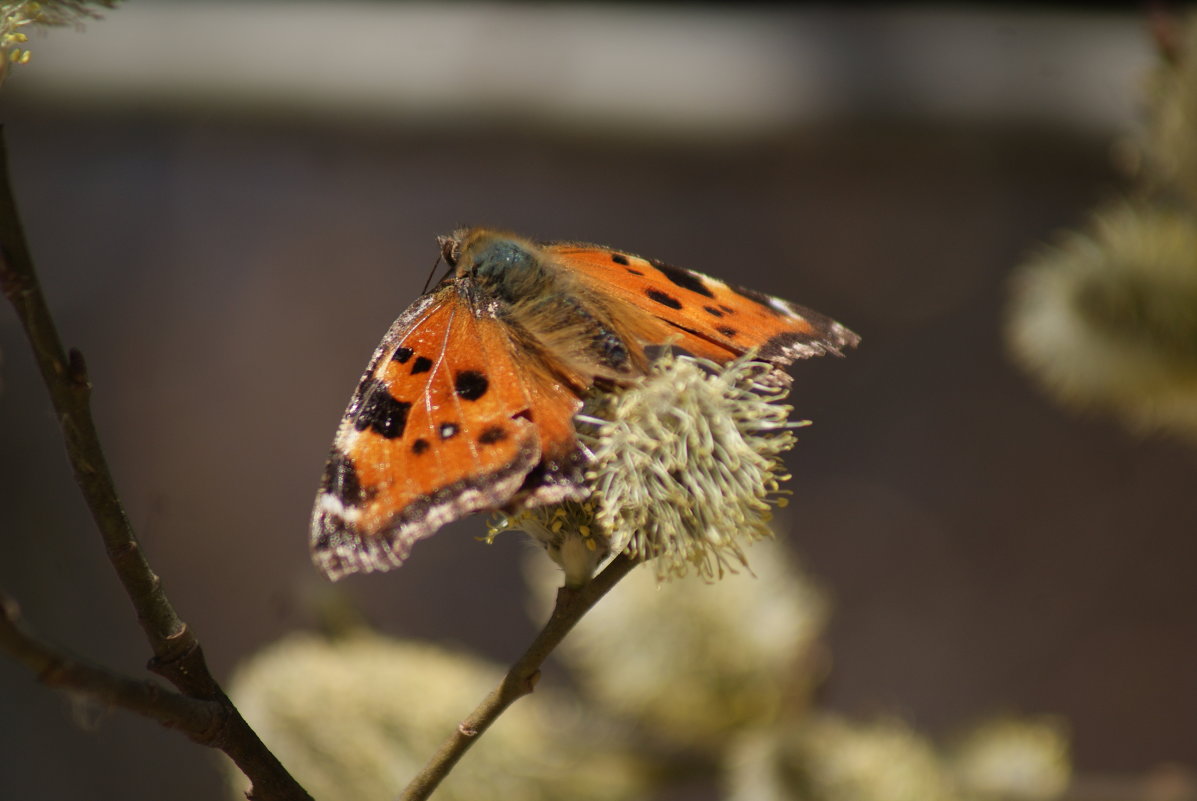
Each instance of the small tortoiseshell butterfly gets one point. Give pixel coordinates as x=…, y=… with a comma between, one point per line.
x=468, y=403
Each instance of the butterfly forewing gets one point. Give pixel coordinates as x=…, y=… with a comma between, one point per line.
x=441, y=426
x=711, y=318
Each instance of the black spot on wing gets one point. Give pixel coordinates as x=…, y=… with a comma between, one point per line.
x=380, y=412
x=664, y=298
x=341, y=480
x=491, y=435
x=421, y=365
x=619, y=258
x=727, y=331
x=713, y=311
x=683, y=278
x=470, y=385
x=419, y=446
x=401, y=355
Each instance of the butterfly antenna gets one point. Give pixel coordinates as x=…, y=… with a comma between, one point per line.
x=431, y=274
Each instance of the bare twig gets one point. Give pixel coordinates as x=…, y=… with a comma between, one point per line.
x=56, y=669
x=177, y=654
x=521, y=677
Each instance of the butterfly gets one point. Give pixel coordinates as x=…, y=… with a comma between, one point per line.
x=468, y=403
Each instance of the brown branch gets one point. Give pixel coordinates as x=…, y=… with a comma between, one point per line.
x=177, y=654
x=56, y=669
x=521, y=677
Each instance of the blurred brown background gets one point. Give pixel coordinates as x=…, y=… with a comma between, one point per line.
x=229, y=208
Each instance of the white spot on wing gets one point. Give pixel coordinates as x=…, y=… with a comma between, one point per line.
x=777, y=304
x=331, y=505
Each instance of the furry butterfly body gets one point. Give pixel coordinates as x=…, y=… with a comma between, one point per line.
x=468, y=402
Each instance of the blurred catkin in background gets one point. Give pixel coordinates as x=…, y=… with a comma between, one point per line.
x=1107, y=319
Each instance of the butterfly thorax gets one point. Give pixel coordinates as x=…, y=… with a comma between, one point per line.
x=504, y=269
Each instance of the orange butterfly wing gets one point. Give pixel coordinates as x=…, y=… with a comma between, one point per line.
x=709, y=317
x=453, y=413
